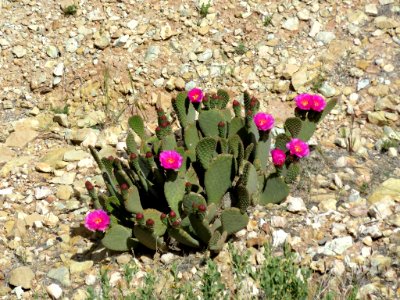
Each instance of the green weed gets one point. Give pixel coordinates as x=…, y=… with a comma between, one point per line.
x=204, y=9
x=240, y=49
x=212, y=286
x=70, y=10
x=267, y=20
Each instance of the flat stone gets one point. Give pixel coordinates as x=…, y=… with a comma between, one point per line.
x=327, y=90
x=43, y=167
x=6, y=154
x=327, y=205
x=377, y=117
x=299, y=79
x=383, y=22
x=21, y=137
x=22, y=276
x=61, y=275
x=205, y=56
x=102, y=42
x=75, y=155
x=59, y=69
x=52, y=51
x=42, y=192
x=390, y=190
x=64, y=192
x=315, y=28
x=80, y=266
x=14, y=163
x=371, y=9
x=67, y=178
x=152, y=53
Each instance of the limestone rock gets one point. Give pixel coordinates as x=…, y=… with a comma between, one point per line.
x=22, y=276
x=390, y=190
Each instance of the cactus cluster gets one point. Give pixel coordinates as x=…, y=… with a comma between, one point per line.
x=223, y=168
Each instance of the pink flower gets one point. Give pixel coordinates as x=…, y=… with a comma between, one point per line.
x=264, y=121
x=298, y=148
x=318, y=103
x=97, y=220
x=278, y=157
x=304, y=101
x=171, y=159
x=195, y=95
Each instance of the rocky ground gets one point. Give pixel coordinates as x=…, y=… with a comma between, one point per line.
x=69, y=81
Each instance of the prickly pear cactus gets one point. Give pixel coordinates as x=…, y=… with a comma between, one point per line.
x=193, y=187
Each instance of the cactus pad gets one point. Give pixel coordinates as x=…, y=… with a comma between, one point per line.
x=147, y=238
x=132, y=200
x=218, y=177
x=183, y=237
x=136, y=124
x=208, y=122
x=233, y=220
x=205, y=151
x=159, y=227
x=174, y=192
x=293, y=126
x=118, y=238
x=275, y=190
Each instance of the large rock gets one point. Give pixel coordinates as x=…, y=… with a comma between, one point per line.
x=22, y=276
x=390, y=189
x=21, y=137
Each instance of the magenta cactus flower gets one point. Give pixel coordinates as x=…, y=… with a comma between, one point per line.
x=298, y=148
x=304, y=101
x=97, y=220
x=318, y=103
x=171, y=160
x=264, y=121
x=196, y=95
x=278, y=157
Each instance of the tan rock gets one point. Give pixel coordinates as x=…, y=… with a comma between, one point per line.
x=21, y=137
x=390, y=189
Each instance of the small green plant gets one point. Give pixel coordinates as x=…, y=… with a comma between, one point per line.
x=267, y=20
x=61, y=110
x=240, y=49
x=317, y=83
x=146, y=292
x=105, y=284
x=389, y=143
x=70, y=10
x=281, y=278
x=364, y=188
x=194, y=186
x=212, y=286
x=204, y=9
x=240, y=264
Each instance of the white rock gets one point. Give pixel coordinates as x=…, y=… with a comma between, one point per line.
x=86, y=163
x=341, y=162
x=279, y=237
x=338, y=246
x=315, y=28
x=291, y=24
x=325, y=37
x=71, y=45
x=167, y=258
x=19, y=51
x=42, y=192
x=371, y=9
x=205, y=56
x=90, y=279
x=295, y=204
x=54, y=291
x=392, y=152
x=304, y=14
x=115, y=278
x=132, y=24
x=59, y=69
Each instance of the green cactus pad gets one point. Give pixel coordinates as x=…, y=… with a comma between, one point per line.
x=218, y=177
x=174, y=192
x=243, y=196
x=292, y=172
x=179, y=105
x=108, y=164
x=205, y=151
x=275, y=190
x=136, y=124
x=211, y=212
x=183, y=237
x=118, y=238
x=168, y=143
x=132, y=200
x=159, y=227
x=223, y=98
x=208, y=122
x=263, y=151
x=248, y=151
x=250, y=178
x=233, y=220
x=190, y=199
x=191, y=136
x=217, y=241
x=131, y=145
x=150, y=240
x=235, y=125
x=307, y=130
x=281, y=140
x=200, y=227
x=293, y=126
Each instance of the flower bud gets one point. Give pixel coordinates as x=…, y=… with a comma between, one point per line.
x=202, y=208
x=133, y=156
x=172, y=214
x=124, y=186
x=139, y=216
x=89, y=185
x=149, y=154
x=149, y=222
